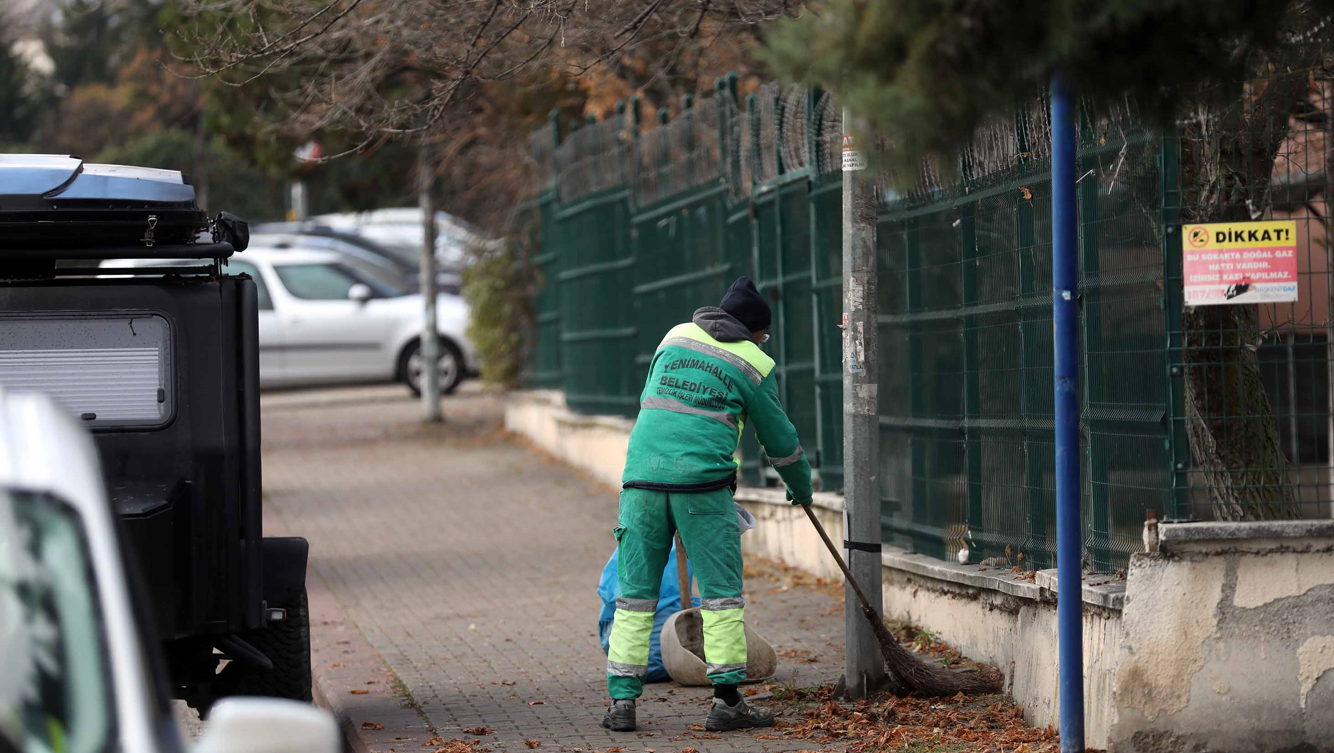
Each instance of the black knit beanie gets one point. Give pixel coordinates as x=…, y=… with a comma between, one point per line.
x=743, y=301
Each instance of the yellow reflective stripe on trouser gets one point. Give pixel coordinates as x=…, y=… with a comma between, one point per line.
x=627, y=649
x=724, y=635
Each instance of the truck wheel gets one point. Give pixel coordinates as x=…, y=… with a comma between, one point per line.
x=287, y=644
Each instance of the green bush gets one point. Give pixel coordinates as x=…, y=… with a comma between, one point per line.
x=499, y=284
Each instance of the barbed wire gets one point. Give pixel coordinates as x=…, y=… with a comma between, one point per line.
x=596, y=157
x=683, y=154
x=783, y=131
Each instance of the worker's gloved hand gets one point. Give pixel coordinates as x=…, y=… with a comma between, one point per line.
x=806, y=502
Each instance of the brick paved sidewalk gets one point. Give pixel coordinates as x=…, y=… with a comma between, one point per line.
x=470, y=566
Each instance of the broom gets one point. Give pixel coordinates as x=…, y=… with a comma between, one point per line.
x=911, y=673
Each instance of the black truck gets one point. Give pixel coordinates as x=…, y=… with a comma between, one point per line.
x=161, y=363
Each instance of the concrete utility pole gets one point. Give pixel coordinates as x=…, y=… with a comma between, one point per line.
x=430, y=345
x=864, y=667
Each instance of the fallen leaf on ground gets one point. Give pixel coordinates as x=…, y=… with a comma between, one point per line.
x=462, y=746
x=508, y=683
x=768, y=737
x=359, y=691
x=372, y=725
x=537, y=703
x=336, y=665
x=798, y=655
x=615, y=750
x=479, y=730
x=372, y=682
x=696, y=728
x=689, y=750
x=533, y=743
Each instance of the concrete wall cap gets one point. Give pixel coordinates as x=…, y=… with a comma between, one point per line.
x=615, y=423
x=540, y=397
x=765, y=496
x=1265, y=529
x=1106, y=591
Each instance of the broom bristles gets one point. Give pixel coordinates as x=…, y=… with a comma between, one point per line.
x=913, y=674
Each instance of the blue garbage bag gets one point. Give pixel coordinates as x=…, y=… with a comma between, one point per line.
x=669, y=602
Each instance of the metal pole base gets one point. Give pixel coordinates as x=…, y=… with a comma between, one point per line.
x=869, y=686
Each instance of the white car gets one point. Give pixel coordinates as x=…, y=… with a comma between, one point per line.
x=322, y=322
x=78, y=673
x=402, y=228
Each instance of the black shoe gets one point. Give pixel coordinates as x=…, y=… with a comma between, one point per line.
x=621, y=716
x=723, y=718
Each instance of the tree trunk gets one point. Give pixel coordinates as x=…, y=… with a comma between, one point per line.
x=1227, y=156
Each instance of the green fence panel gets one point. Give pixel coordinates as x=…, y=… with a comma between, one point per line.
x=1127, y=460
x=783, y=274
x=598, y=337
x=682, y=263
x=742, y=236
x=826, y=263
x=545, y=371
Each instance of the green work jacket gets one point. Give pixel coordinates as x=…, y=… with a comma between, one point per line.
x=707, y=378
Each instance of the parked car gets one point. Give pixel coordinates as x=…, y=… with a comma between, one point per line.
x=80, y=670
x=321, y=322
x=164, y=371
x=406, y=257
x=389, y=272
x=402, y=228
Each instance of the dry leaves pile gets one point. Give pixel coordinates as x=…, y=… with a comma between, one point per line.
x=372, y=726
x=979, y=724
x=454, y=746
x=479, y=730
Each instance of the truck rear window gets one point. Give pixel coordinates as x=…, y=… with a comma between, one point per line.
x=109, y=371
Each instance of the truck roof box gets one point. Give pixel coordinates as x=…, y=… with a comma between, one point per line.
x=61, y=203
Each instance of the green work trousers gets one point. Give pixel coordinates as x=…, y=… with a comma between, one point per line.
x=711, y=533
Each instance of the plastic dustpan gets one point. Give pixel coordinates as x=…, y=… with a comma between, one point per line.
x=683, y=641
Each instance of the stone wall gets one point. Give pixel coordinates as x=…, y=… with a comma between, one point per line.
x=1229, y=640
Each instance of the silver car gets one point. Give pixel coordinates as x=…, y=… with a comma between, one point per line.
x=322, y=321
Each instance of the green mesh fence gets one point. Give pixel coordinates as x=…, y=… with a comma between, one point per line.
x=642, y=224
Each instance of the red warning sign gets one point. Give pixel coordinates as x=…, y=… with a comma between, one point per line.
x=1239, y=262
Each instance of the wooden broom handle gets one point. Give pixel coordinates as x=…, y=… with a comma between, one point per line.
x=683, y=573
x=838, y=557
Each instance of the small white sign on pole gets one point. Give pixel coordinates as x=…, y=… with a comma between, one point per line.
x=853, y=159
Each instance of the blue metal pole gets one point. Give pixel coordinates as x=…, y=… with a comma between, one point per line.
x=1065, y=320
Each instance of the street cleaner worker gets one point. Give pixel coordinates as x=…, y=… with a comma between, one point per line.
x=707, y=378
